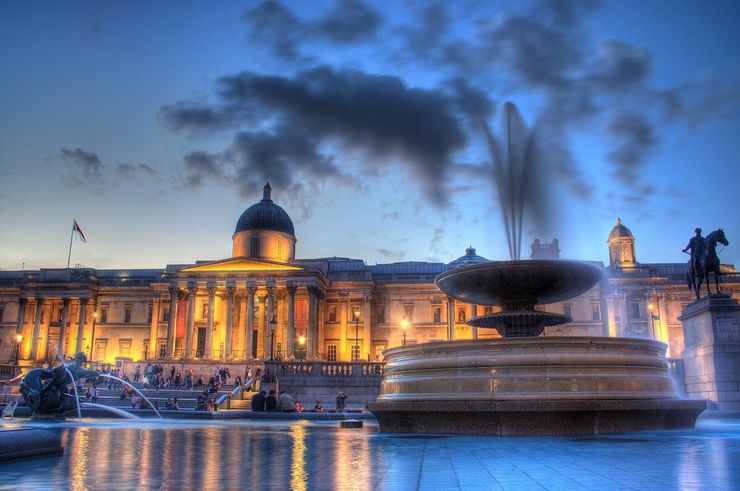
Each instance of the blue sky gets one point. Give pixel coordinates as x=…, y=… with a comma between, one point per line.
x=156, y=124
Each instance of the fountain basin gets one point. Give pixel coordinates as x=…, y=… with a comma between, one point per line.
x=531, y=386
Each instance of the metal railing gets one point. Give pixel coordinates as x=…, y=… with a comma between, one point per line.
x=237, y=391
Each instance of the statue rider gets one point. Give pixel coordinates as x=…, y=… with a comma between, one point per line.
x=696, y=247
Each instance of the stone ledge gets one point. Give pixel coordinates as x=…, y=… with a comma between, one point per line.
x=535, y=418
x=28, y=443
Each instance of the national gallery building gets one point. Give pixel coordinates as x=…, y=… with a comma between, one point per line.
x=263, y=302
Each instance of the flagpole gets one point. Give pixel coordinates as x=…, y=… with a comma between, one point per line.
x=71, y=236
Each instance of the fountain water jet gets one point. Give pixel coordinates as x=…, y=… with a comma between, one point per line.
x=524, y=384
x=104, y=375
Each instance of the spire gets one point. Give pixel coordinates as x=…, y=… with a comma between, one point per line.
x=266, y=192
x=619, y=220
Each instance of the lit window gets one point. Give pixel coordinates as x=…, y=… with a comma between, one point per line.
x=634, y=310
x=331, y=353
x=332, y=317
x=355, y=353
x=124, y=348
x=100, y=347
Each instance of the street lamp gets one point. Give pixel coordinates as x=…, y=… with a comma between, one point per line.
x=19, y=340
x=404, y=328
x=356, y=315
x=92, y=340
x=302, y=344
x=273, y=325
x=653, y=317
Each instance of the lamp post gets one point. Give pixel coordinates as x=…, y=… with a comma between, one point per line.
x=92, y=337
x=404, y=328
x=18, y=340
x=273, y=325
x=653, y=317
x=302, y=344
x=356, y=316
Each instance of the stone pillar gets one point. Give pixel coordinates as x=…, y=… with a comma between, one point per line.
x=189, y=323
x=229, y=319
x=319, y=316
x=290, y=342
x=711, y=328
x=262, y=325
x=366, y=330
x=450, y=319
x=611, y=312
x=61, y=351
x=473, y=315
x=172, y=323
x=662, y=322
x=81, y=326
x=154, y=327
x=344, y=314
x=36, y=330
x=249, y=334
x=19, y=324
x=208, y=354
x=624, y=327
x=311, y=334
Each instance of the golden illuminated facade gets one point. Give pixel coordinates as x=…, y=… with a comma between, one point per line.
x=263, y=302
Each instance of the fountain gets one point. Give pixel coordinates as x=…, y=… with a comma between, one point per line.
x=524, y=383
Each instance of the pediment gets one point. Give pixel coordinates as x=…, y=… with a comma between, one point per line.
x=241, y=264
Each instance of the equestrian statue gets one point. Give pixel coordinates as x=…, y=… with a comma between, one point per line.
x=704, y=260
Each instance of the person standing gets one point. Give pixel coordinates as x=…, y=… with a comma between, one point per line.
x=137, y=373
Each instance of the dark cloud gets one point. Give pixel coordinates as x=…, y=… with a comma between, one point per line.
x=275, y=26
x=397, y=255
x=86, y=166
x=349, y=21
x=635, y=137
x=621, y=65
x=379, y=116
x=391, y=216
x=130, y=170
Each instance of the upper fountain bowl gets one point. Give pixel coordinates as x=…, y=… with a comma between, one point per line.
x=518, y=284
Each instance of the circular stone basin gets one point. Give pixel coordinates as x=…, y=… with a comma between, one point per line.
x=518, y=284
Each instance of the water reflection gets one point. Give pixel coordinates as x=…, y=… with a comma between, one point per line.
x=302, y=456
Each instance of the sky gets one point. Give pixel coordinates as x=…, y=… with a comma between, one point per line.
x=379, y=125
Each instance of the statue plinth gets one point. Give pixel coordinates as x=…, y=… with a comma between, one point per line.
x=711, y=328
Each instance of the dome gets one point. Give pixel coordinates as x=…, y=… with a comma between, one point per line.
x=620, y=230
x=470, y=257
x=265, y=215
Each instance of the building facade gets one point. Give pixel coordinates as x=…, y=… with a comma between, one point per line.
x=263, y=302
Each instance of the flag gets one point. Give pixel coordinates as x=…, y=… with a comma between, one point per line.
x=76, y=228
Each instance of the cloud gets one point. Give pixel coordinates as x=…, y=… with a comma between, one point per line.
x=635, y=137
x=131, y=170
x=305, y=116
x=275, y=26
x=398, y=255
x=86, y=166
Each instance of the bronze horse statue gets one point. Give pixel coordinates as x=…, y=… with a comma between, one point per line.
x=698, y=271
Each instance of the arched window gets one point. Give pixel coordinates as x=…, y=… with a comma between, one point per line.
x=255, y=247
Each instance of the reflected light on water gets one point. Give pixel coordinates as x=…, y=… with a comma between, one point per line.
x=298, y=474
x=79, y=445
x=352, y=469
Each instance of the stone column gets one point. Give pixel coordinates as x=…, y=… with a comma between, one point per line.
x=190, y=321
x=81, y=326
x=662, y=322
x=711, y=329
x=36, y=328
x=271, y=330
x=320, y=337
x=450, y=319
x=290, y=342
x=344, y=314
x=311, y=334
x=611, y=312
x=623, y=317
x=61, y=351
x=229, y=319
x=19, y=324
x=262, y=325
x=208, y=354
x=366, y=330
x=474, y=314
x=154, y=328
x=172, y=322
x=249, y=334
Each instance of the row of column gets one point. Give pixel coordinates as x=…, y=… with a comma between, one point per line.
x=267, y=309
x=37, y=304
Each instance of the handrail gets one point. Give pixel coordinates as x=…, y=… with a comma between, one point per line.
x=235, y=391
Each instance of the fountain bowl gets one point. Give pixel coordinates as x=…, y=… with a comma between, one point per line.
x=531, y=386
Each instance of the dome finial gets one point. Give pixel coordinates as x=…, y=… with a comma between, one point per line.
x=619, y=221
x=266, y=192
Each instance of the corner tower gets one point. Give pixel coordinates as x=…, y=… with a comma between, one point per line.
x=265, y=231
x=621, y=247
